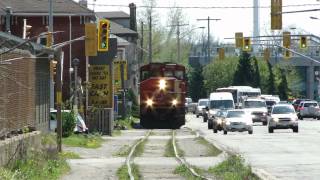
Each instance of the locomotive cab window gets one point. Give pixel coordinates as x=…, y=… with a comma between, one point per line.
x=168, y=74
x=179, y=74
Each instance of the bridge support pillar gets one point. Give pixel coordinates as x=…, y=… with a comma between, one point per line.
x=310, y=82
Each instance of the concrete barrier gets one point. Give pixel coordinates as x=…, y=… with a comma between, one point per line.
x=17, y=147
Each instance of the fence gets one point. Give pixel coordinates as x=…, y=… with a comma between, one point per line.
x=100, y=120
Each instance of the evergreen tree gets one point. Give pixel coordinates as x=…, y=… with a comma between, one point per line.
x=257, y=78
x=196, y=83
x=271, y=81
x=283, y=87
x=244, y=75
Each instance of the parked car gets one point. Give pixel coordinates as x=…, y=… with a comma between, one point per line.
x=297, y=102
x=257, y=108
x=190, y=106
x=218, y=120
x=308, y=109
x=283, y=116
x=202, y=103
x=237, y=120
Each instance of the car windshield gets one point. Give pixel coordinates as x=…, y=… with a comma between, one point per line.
x=254, y=104
x=283, y=110
x=221, y=104
x=235, y=114
x=203, y=103
x=270, y=103
x=222, y=113
x=310, y=104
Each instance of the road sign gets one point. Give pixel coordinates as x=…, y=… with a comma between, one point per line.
x=91, y=39
x=117, y=73
x=100, y=92
x=286, y=39
x=239, y=39
x=276, y=14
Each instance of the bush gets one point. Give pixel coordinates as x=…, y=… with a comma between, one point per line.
x=68, y=123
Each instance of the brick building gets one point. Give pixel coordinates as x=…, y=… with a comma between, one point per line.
x=69, y=17
x=24, y=84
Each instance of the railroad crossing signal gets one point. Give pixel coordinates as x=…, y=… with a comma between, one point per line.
x=91, y=39
x=246, y=44
x=221, y=53
x=266, y=54
x=103, y=35
x=239, y=39
x=53, y=69
x=303, y=42
x=286, y=39
x=276, y=14
x=49, y=39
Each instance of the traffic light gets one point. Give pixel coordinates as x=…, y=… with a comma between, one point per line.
x=53, y=69
x=49, y=39
x=287, y=54
x=303, y=42
x=266, y=54
x=239, y=39
x=276, y=14
x=103, y=35
x=91, y=39
x=246, y=44
x=286, y=39
x=221, y=53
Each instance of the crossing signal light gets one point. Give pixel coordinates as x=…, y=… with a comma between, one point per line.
x=276, y=14
x=266, y=54
x=239, y=39
x=221, y=53
x=53, y=69
x=103, y=35
x=303, y=42
x=286, y=39
x=246, y=44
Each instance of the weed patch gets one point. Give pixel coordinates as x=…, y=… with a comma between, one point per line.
x=139, y=148
x=169, y=151
x=86, y=140
x=233, y=168
x=70, y=155
x=212, y=150
x=123, y=151
x=122, y=172
x=183, y=171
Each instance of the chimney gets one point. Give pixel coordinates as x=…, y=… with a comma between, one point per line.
x=83, y=3
x=133, y=17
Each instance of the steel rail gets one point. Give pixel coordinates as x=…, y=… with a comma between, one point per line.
x=183, y=161
x=128, y=163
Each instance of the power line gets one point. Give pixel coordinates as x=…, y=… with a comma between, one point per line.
x=202, y=7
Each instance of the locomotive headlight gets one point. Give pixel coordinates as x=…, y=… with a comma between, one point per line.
x=174, y=102
x=149, y=102
x=162, y=84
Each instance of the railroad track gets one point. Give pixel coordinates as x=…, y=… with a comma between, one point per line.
x=180, y=159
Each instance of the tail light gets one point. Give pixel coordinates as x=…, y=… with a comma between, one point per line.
x=300, y=108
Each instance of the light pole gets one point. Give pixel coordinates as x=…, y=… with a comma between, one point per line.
x=75, y=62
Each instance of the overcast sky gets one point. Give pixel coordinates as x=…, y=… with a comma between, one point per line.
x=233, y=20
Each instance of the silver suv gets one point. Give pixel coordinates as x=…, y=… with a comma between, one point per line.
x=308, y=109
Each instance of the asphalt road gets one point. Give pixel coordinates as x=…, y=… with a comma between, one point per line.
x=283, y=154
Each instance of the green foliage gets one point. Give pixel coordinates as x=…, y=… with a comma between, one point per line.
x=135, y=109
x=271, y=80
x=69, y=155
x=220, y=73
x=68, y=123
x=233, y=168
x=183, y=171
x=196, y=83
x=122, y=172
x=212, y=150
x=123, y=151
x=86, y=140
x=127, y=123
x=257, y=78
x=283, y=87
x=245, y=74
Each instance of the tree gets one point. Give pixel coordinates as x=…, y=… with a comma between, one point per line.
x=244, y=75
x=271, y=80
x=257, y=78
x=196, y=83
x=283, y=86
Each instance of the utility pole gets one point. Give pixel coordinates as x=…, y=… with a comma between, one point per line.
x=178, y=25
x=208, y=43
x=141, y=44
x=150, y=36
x=8, y=19
x=76, y=62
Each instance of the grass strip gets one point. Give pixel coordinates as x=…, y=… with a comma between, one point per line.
x=83, y=140
x=211, y=149
x=69, y=155
x=123, y=174
x=183, y=171
x=123, y=151
x=233, y=168
x=169, y=151
x=139, y=148
x=116, y=132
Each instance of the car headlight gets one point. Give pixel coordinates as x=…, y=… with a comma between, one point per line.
x=162, y=84
x=294, y=119
x=227, y=123
x=219, y=121
x=275, y=119
x=264, y=114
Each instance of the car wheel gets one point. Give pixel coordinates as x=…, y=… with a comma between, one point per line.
x=250, y=132
x=270, y=130
x=264, y=123
x=205, y=119
x=295, y=129
x=197, y=116
x=209, y=125
x=300, y=117
x=314, y=117
x=215, y=130
x=225, y=132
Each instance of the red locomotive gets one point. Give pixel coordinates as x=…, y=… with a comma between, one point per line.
x=162, y=95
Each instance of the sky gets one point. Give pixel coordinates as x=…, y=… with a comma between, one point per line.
x=232, y=20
